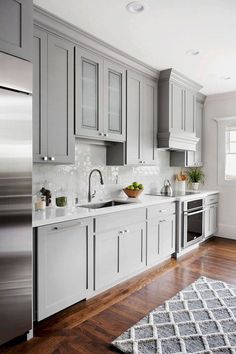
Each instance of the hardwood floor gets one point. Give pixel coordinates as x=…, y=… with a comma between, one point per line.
x=89, y=327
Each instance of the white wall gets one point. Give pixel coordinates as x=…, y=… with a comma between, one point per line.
x=218, y=106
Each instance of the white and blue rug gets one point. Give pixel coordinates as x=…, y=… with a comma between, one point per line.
x=200, y=319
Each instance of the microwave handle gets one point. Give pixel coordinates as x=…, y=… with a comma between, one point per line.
x=195, y=212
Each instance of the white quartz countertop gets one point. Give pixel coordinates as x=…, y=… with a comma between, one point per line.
x=54, y=215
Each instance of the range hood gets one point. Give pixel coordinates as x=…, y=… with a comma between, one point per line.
x=177, y=102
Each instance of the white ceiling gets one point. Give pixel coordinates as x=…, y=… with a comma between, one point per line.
x=162, y=34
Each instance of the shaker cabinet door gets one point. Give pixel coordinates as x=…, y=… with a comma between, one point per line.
x=114, y=102
x=149, y=122
x=190, y=112
x=60, y=100
x=177, y=107
x=53, y=92
x=134, y=116
x=199, y=133
x=133, y=249
x=106, y=259
x=40, y=96
x=16, y=26
x=167, y=236
x=89, y=94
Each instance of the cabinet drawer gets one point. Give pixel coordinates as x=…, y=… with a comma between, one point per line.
x=160, y=210
x=211, y=199
x=119, y=219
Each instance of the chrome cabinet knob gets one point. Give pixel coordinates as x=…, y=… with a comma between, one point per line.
x=45, y=158
x=105, y=134
x=52, y=158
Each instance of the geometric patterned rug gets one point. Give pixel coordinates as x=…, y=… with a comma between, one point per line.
x=199, y=319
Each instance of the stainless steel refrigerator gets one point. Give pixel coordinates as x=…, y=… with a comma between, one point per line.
x=15, y=197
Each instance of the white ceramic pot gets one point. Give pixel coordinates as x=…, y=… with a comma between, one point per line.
x=195, y=186
x=181, y=186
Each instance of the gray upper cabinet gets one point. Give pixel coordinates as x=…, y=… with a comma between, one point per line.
x=53, y=114
x=100, y=97
x=134, y=114
x=199, y=132
x=89, y=94
x=177, y=111
x=177, y=107
x=149, y=122
x=141, y=119
x=191, y=158
x=40, y=96
x=114, y=101
x=190, y=112
x=61, y=146
x=16, y=25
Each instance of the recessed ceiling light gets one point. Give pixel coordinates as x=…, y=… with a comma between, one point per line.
x=226, y=77
x=192, y=52
x=135, y=7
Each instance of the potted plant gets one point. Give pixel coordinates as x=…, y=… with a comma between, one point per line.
x=195, y=177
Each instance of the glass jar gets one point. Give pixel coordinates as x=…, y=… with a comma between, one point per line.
x=40, y=202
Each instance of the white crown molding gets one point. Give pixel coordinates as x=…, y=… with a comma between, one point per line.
x=225, y=119
x=221, y=96
x=62, y=28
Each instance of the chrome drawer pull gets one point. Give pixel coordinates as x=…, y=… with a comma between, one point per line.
x=67, y=227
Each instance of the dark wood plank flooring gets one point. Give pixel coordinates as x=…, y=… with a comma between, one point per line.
x=89, y=327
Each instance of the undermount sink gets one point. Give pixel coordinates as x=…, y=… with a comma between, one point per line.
x=100, y=205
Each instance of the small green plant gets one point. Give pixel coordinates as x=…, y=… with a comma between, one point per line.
x=195, y=175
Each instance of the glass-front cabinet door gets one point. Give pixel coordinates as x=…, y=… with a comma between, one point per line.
x=89, y=94
x=114, y=102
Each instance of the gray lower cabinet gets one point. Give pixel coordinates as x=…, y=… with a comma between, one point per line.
x=141, y=119
x=16, y=25
x=132, y=243
x=119, y=247
x=63, y=265
x=161, y=233
x=53, y=113
x=211, y=214
x=211, y=220
x=106, y=259
x=100, y=97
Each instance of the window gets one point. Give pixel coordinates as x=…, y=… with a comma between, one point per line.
x=227, y=151
x=230, y=156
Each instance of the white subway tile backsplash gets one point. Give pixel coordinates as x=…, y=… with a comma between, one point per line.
x=74, y=178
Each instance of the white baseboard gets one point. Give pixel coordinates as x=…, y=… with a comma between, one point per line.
x=226, y=231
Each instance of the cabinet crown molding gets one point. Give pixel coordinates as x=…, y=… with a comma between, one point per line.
x=174, y=75
x=62, y=28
